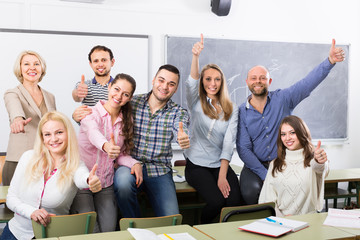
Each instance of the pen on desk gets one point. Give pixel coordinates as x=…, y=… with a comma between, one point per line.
x=168, y=236
x=273, y=221
x=179, y=175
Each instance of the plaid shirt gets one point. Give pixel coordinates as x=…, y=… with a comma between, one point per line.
x=153, y=133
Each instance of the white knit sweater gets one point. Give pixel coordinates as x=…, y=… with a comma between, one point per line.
x=296, y=190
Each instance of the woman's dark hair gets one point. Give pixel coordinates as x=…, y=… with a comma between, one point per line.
x=128, y=123
x=303, y=134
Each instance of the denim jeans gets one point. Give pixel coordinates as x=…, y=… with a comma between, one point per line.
x=7, y=234
x=160, y=191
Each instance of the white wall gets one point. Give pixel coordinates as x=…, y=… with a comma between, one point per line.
x=275, y=20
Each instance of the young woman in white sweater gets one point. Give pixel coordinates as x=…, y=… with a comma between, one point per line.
x=295, y=180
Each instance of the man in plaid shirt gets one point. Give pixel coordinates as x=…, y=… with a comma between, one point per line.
x=156, y=123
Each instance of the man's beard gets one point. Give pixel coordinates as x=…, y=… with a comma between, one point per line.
x=104, y=74
x=263, y=92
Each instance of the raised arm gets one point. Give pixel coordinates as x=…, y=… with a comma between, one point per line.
x=196, y=50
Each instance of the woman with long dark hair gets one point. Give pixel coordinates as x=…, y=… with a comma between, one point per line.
x=295, y=180
x=105, y=138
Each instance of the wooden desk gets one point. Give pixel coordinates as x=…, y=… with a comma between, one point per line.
x=316, y=230
x=354, y=231
x=125, y=235
x=342, y=175
x=3, y=193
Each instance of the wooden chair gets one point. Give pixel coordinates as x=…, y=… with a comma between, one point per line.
x=5, y=213
x=332, y=191
x=170, y=220
x=65, y=225
x=256, y=211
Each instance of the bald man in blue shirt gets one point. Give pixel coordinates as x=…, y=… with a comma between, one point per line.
x=260, y=117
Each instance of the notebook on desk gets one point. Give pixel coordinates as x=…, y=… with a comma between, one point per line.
x=274, y=226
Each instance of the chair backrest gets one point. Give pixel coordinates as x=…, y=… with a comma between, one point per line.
x=256, y=211
x=170, y=220
x=65, y=225
x=180, y=163
x=5, y=214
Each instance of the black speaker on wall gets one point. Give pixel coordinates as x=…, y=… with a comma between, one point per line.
x=220, y=7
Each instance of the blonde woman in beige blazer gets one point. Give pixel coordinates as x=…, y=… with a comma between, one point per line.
x=25, y=104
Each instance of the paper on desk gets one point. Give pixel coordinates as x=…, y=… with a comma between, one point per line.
x=343, y=218
x=178, y=178
x=176, y=236
x=144, y=234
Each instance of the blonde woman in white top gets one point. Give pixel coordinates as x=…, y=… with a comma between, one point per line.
x=47, y=178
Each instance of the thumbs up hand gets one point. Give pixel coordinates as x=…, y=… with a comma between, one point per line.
x=319, y=154
x=182, y=138
x=82, y=89
x=18, y=125
x=111, y=148
x=94, y=181
x=336, y=54
x=199, y=46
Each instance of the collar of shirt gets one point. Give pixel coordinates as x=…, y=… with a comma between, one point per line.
x=100, y=107
x=250, y=97
x=95, y=82
x=168, y=104
x=209, y=101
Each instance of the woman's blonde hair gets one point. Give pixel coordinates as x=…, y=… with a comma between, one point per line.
x=41, y=161
x=17, y=65
x=222, y=94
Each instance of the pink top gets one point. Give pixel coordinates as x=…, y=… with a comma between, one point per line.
x=95, y=130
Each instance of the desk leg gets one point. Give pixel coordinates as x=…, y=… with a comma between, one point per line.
x=335, y=199
x=357, y=184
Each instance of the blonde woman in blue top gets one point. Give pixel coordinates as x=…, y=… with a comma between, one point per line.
x=213, y=134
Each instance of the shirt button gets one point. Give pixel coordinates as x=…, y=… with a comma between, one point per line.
x=266, y=127
x=268, y=146
x=267, y=135
x=262, y=117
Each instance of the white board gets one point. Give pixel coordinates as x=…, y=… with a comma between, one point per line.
x=66, y=56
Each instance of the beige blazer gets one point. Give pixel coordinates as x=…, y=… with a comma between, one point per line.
x=19, y=103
